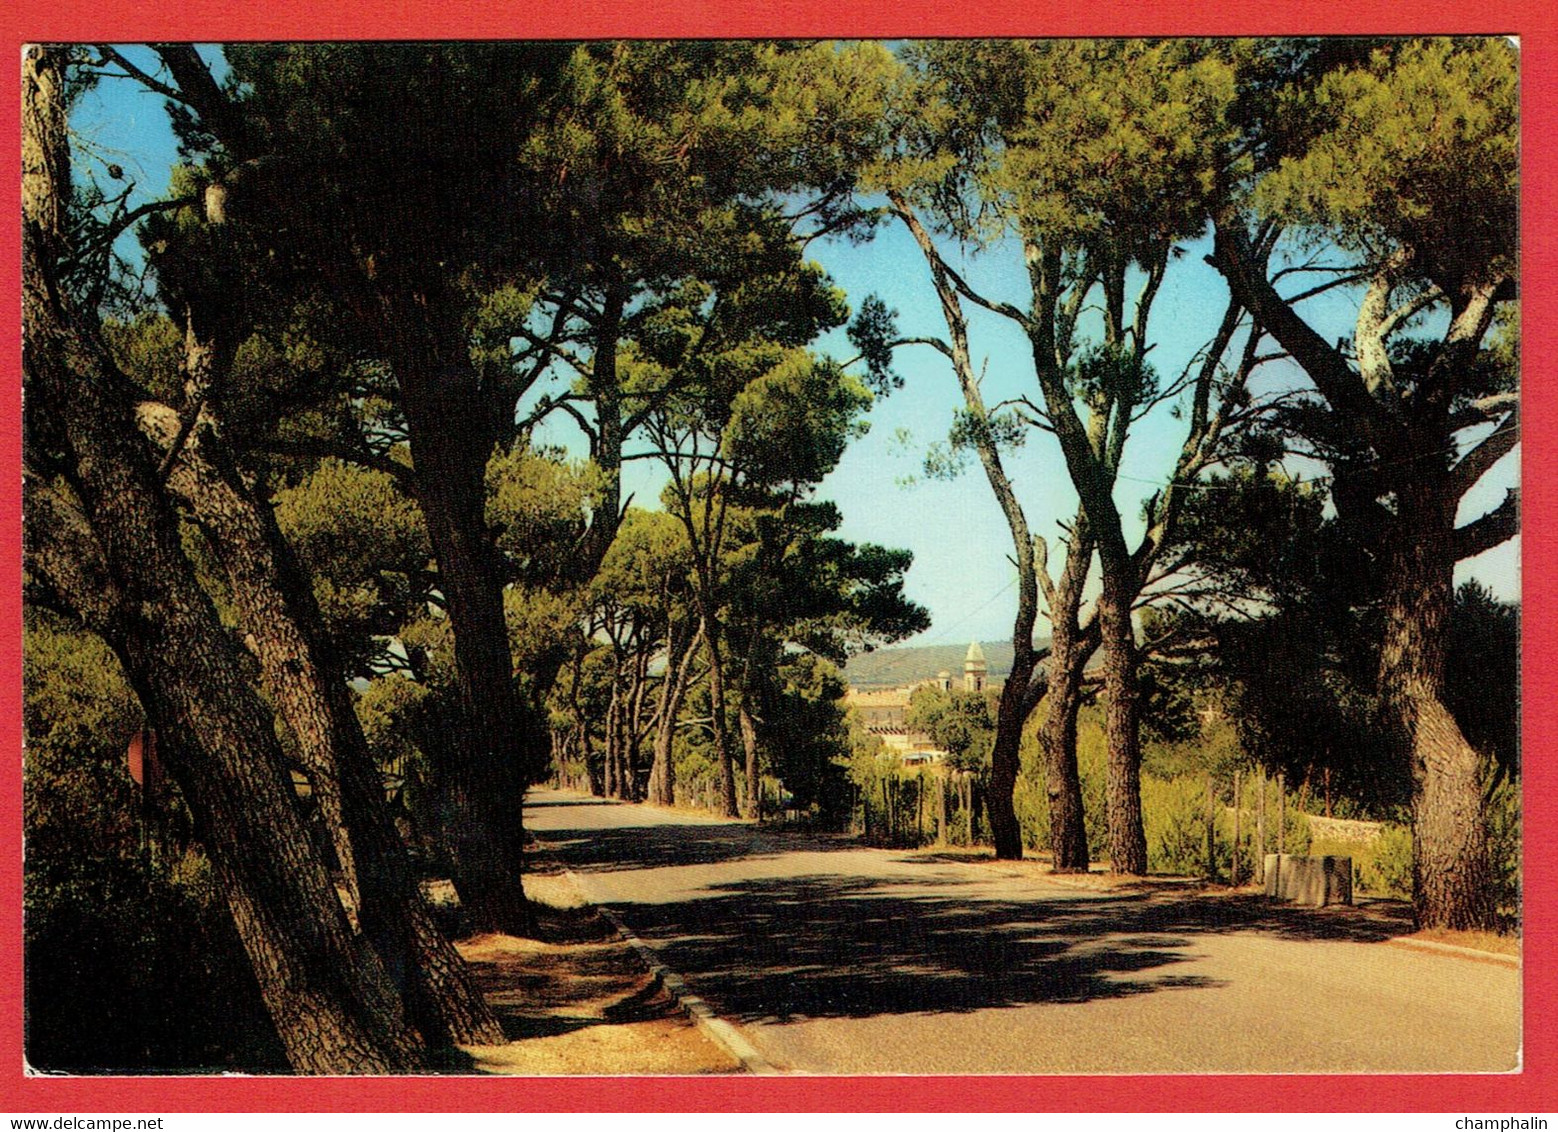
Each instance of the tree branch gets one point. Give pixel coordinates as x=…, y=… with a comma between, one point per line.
x=106, y=235
x=1347, y=280
x=312, y=449
x=1498, y=526
x=934, y=343
x=1393, y=321
x=1369, y=340
x=1493, y=448
x=132, y=71
x=939, y=265
x=1483, y=410
x=544, y=409
x=1325, y=365
x=198, y=89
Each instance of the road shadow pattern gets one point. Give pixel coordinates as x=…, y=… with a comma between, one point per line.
x=836, y=945
x=586, y=977
x=666, y=846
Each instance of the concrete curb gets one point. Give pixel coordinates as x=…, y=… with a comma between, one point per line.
x=715, y=1028
x=1455, y=950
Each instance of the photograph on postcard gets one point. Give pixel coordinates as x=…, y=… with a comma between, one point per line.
x=671, y=557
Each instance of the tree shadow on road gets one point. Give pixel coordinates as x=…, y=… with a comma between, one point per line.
x=588, y=977
x=553, y=803
x=654, y=846
x=838, y=945
x=1252, y=912
x=834, y=946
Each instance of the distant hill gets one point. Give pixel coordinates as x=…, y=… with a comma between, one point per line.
x=906, y=664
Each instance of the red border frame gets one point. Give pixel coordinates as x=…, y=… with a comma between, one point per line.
x=1535, y=21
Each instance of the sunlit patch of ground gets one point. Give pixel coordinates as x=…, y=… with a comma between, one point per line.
x=1099, y=879
x=1037, y=865
x=1477, y=941
x=663, y=1048
x=552, y=890
x=577, y=1000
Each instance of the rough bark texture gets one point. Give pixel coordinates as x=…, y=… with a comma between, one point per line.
x=277, y=608
x=722, y=752
x=482, y=782
x=1071, y=646
x=1127, y=836
x=208, y=484
x=1451, y=876
x=662, y=772
x=334, y=1009
x=1005, y=761
x=1058, y=737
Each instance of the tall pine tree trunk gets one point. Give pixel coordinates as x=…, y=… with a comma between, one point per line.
x=635, y=733
x=1451, y=869
x=224, y=508
x=724, y=760
x=1122, y=725
x=1012, y=711
x=678, y=675
x=754, y=700
x=277, y=608
x=121, y=563
x=333, y=1005
x=1071, y=646
x=750, y=748
x=1411, y=430
x=613, y=785
x=482, y=781
x=1058, y=737
x=1025, y=684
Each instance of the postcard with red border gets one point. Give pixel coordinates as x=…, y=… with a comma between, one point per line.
x=1533, y=1088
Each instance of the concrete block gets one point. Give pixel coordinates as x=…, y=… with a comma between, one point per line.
x=1315, y=881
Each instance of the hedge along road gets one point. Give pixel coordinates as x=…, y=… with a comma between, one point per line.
x=833, y=958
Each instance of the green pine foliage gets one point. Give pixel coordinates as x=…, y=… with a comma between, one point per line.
x=128, y=939
x=1414, y=147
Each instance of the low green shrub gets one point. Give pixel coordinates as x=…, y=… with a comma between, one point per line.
x=899, y=807
x=1366, y=868
x=1030, y=798
x=1174, y=816
x=1387, y=868
x=1504, y=833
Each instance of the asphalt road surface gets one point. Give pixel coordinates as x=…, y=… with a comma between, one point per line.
x=836, y=959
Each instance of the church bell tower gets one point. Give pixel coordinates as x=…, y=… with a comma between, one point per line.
x=974, y=669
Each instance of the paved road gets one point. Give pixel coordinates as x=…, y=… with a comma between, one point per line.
x=838, y=959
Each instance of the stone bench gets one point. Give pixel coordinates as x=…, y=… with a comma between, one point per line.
x=1316, y=881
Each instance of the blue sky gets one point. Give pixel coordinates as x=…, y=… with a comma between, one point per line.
x=961, y=547
x=956, y=530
